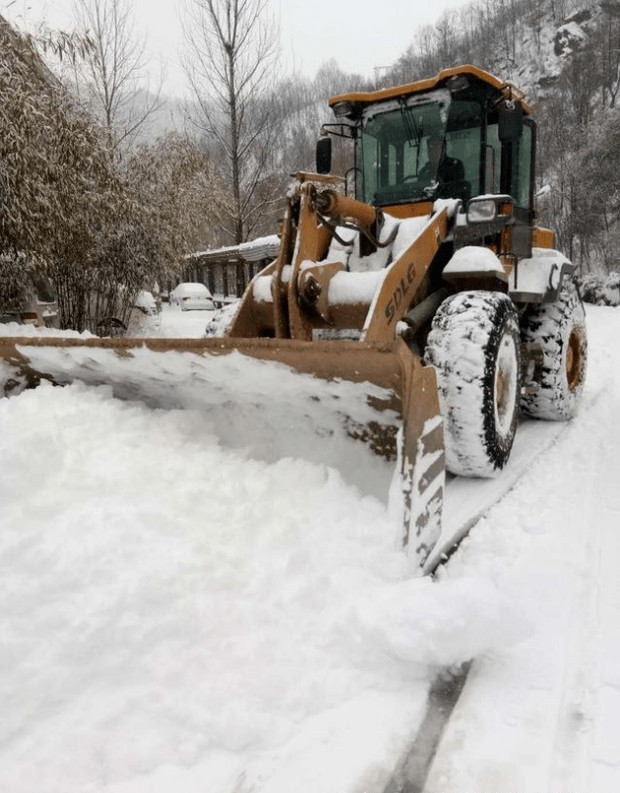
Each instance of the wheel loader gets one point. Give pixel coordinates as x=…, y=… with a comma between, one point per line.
x=420, y=276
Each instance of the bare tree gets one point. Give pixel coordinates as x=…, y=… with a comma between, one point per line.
x=232, y=49
x=445, y=39
x=608, y=45
x=114, y=68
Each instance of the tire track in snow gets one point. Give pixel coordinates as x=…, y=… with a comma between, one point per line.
x=410, y=775
x=571, y=752
x=604, y=583
x=414, y=767
x=479, y=496
x=583, y=756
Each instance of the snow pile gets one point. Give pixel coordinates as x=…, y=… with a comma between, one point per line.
x=396, y=235
x=221, y=320
x=472, y=259
x=178, y=615
x=18, y=329
x=260, y=407
x=350, y=288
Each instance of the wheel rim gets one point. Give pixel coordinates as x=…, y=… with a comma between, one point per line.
x=505, y=386
x=574, y=358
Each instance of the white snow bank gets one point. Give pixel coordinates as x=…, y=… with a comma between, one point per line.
x=260, y=407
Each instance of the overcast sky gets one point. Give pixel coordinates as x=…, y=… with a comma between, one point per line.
x=360, y=34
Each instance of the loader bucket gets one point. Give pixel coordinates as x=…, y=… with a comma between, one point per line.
x=369, y=409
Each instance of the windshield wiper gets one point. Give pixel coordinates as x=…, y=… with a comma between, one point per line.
x=414, y=132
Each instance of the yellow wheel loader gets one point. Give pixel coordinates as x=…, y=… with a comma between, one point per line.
x=431, y=292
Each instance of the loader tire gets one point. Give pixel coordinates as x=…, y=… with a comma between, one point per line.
x=560, y=329
x=474, y=346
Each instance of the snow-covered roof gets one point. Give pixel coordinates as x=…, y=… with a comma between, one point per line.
x=252, y=251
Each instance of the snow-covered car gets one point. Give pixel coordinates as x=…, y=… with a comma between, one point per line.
x=192, y=296
x=146, y=303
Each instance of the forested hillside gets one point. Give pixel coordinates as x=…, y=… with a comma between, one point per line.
x=565, y=55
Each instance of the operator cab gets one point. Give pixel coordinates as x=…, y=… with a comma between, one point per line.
x=460, y=135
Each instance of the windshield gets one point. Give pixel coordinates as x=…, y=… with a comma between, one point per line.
x=421, y=150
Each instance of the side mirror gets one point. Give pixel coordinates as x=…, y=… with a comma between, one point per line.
x=510, y=121
x=324, y=155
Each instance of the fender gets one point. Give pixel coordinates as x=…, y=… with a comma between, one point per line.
x=540, y=277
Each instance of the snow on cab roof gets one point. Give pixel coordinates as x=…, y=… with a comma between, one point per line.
x=367, y=97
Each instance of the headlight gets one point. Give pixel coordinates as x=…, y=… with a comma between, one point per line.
x=481, y=211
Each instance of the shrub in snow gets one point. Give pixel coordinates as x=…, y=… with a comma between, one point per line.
x=55, y=161
x=221, y=320
x=600, y=290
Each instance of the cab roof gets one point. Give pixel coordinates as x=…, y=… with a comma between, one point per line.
x=505, y=89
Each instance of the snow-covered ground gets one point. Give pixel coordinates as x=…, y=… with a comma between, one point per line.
x=171, y=322
x=177, y=615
